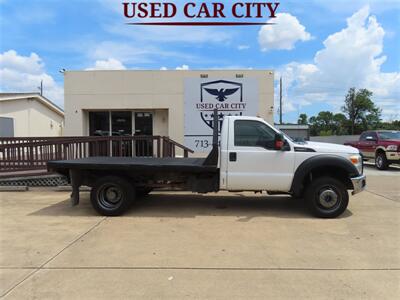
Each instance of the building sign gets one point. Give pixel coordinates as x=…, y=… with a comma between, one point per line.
x=232, y=97
x=181, y=13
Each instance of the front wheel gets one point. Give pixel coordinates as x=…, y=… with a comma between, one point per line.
x=381, y=162
x=326, y=197
x=112, y=195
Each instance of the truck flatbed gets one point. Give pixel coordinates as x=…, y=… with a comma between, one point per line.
x=140, y=164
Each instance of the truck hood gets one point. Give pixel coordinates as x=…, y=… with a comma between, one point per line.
x=331, y=148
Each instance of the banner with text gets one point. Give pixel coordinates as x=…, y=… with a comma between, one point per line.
x=232, y=97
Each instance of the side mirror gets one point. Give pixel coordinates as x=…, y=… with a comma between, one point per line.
x=279, y=141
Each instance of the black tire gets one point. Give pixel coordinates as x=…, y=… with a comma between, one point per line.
x=112, y=195
x=326, y=197
x=143, y=192
x=381, y=161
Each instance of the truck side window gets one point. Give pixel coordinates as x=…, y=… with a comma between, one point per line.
x=253, y=134
x=363, y=136
x=368, y=136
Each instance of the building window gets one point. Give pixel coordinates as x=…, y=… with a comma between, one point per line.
x=99, y=123
x=119, y=123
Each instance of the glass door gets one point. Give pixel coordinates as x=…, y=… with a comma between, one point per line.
x=121, y=125
x=144, y=131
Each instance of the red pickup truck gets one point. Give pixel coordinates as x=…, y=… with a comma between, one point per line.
x=383, y=146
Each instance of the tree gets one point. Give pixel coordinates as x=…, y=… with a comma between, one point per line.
x=302, y=119
x=327, y=123
x=393, y=125
x=326, y=119
x=360, y=109
x=372, y=120
x=313, y=127
x=340, y=122
x=322, y=123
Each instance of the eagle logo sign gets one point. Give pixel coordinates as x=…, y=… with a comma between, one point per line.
x=221, y=93
x=226, y=96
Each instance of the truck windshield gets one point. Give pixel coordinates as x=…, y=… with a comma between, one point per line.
x=389, y=135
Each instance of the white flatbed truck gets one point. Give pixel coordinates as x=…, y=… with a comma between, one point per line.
x=252, y=156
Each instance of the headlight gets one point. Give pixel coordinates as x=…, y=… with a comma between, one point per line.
x=391, y=148
x=356, y=160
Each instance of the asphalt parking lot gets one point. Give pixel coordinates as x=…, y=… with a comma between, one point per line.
x=221, y=246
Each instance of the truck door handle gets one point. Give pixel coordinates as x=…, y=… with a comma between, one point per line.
x=232, y=156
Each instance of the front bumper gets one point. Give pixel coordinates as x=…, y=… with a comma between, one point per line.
x=359, y=184
x=393, y=156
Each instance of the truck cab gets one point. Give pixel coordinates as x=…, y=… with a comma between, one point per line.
x=250, y=159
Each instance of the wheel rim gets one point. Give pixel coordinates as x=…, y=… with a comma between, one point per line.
x=328, y=198
x=110, y=196
x=379, y=161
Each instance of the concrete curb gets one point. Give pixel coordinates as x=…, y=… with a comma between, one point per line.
x=14, y=188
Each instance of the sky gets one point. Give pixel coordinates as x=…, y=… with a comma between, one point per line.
x=320, y=48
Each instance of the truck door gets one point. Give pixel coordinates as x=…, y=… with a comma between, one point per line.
x=367, y=144
x=253, y=163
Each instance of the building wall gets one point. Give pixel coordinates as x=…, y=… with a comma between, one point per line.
x=32, y=118
x=297, y=133
x=335, y=139
x=160, y=122
x=162, y=91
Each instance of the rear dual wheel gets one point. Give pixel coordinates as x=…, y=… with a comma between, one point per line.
x=112, y=195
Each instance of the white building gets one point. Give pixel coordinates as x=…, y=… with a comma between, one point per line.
x=29, y=115
x=177, y=104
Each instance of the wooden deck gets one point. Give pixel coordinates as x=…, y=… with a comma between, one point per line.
x=28, y=156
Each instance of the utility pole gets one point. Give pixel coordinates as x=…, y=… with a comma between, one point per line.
x=280, y=100
x=41, y=88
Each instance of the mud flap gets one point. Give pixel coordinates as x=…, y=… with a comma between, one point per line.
x=76, y=181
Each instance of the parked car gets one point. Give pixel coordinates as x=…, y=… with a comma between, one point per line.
x=382, y=146
x=252, y=156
